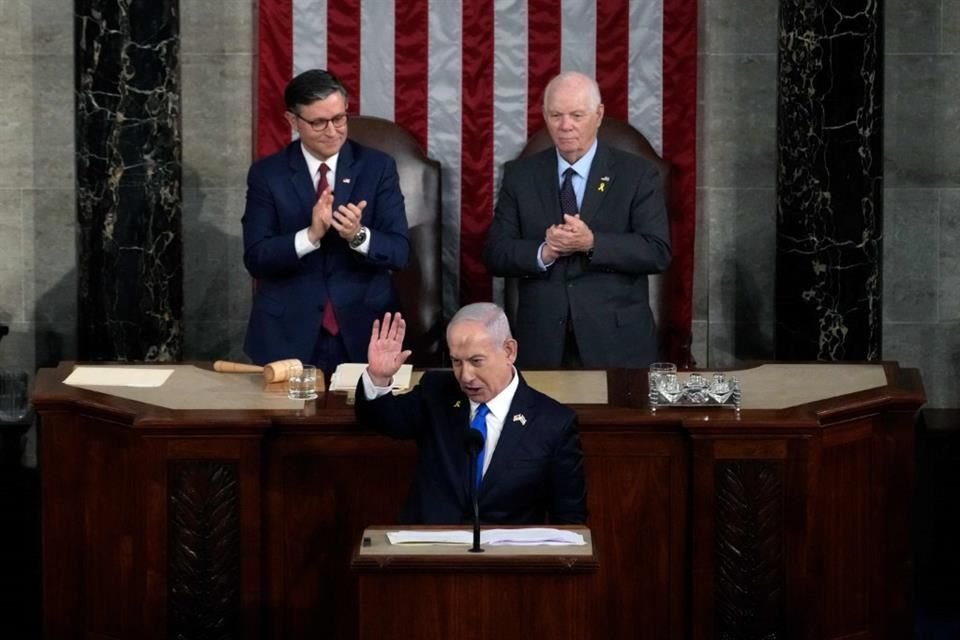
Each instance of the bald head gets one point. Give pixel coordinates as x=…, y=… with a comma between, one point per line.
x=572, y=112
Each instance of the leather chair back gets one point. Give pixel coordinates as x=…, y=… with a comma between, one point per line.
x=419, y=284
x=621, y=135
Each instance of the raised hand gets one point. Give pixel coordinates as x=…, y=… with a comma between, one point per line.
x=385, y=354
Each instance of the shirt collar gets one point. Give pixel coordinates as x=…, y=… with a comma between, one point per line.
x=581, y=166
x=499, y=405
x=313, y=164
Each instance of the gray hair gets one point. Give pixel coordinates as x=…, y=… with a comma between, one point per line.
x=491, y=316
x=593, y=90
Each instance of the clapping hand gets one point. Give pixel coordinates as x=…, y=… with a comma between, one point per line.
x=322, y=216
x=385, y=354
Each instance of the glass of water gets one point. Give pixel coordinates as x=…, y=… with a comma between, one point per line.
x=655, y=374
x=303, y=385
x=14, y=399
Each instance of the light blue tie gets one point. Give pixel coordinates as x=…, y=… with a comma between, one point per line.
x=480, y=424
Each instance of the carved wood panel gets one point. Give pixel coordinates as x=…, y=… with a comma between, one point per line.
x=749, y=579
x=204, y=550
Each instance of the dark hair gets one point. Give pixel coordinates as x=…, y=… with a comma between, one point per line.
x=310, y=86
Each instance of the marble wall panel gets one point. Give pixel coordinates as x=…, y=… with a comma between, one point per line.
x=948, y=19
x=922, y=117
x=949, y=255
x=912, y=27
x=934, y=349
x=735, y=344
x=218, y=118
x=738, y=142
x=742, y=255
x=217, y=26
x=910, y=253
x=738, y=26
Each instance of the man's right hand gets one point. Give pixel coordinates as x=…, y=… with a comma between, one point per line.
x=385, y=355
x=322, y=216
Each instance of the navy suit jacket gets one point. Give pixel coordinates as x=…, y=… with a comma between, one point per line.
x=605, y=294
x=536, y=472
x=292, y=292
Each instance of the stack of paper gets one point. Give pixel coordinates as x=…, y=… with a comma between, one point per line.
x=514, y=537
x=347, y=375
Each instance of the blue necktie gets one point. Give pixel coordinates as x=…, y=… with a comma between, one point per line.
x=568, y=198
x=480, y=424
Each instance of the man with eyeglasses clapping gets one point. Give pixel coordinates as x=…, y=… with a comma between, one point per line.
x=323, y=229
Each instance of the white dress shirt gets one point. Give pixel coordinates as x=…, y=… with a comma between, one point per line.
x=499, y=407
x=301, y=241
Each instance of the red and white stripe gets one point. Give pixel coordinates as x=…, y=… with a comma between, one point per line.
x=466, y=78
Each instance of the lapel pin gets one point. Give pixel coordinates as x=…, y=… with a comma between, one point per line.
x=345, y=181
x=603, y=184
x=522, y=419
x=456, y=405
x=602, y=187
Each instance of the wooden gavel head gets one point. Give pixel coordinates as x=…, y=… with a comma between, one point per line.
x=281, y=370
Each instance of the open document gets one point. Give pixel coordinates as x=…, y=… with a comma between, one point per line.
x=527, y=536
x=347, y=375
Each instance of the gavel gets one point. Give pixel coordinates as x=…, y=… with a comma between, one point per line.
x=277, y=371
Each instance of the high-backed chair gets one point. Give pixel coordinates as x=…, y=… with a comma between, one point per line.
x=419, y=284
x=621, y=135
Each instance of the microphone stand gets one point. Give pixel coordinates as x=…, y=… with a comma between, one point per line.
x=474, y=442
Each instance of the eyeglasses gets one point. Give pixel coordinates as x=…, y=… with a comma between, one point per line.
x=320, y=124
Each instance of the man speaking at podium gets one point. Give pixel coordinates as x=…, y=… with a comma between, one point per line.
x=530, y=469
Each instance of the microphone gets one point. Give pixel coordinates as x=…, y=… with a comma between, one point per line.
x=473, y=440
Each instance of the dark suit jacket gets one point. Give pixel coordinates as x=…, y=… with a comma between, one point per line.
x=536, y=472
x=291, y=292
x=605, y=294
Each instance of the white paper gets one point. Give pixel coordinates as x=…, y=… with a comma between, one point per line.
x=118, y=377
x=527, y=536
x=347, y=375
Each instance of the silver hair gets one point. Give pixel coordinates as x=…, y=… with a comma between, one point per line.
x=593, y=90
x=490, y=315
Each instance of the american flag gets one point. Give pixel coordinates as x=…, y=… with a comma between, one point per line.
x=466, y=78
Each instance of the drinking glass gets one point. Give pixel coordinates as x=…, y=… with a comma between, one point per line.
x=14, y=403
x=670, y=387
x=720, y=388
x=303, y=385
x=657, y=370
x=697, y=389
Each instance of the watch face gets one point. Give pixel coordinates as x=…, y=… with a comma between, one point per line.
x=359, y=238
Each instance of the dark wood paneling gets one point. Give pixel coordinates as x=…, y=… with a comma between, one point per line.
x=204, y=530
x=673, y=498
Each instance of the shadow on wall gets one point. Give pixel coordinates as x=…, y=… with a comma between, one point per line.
x=55, y=322
x=217, y=289
x=752, y=337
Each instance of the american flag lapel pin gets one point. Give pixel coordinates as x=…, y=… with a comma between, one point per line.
x=522, y=419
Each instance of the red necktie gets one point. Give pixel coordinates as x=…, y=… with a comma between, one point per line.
x=322, y=183
x=329, y=321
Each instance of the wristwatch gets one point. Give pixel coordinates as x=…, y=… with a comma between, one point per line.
x=359, y=239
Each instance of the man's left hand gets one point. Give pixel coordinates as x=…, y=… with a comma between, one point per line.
x=346, y=219
x=575, y=236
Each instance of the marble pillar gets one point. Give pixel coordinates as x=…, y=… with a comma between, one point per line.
x=128, y=180
x=829, y=180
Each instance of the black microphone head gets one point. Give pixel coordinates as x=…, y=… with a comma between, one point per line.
x=473, y=440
